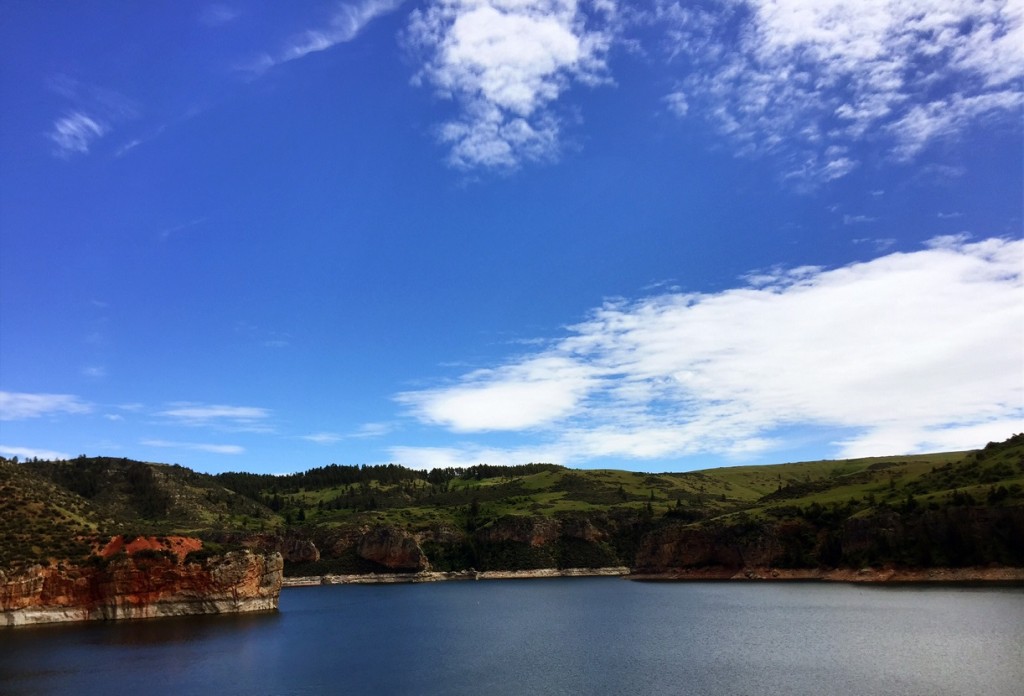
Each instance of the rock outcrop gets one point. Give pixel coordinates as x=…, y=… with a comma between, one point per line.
x=951, y=537
x=392, y=548
x=155, y=580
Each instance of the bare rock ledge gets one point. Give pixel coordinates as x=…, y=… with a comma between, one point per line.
x=138, y=587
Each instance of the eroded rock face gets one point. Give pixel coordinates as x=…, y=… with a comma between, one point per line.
x=299, y=550
x=294, y=549
x=534, y=531
x=687, y=547
x=393, y=548
x=142, y=585
x=950, y=537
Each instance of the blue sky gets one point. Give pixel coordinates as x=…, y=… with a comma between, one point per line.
x=655, y=236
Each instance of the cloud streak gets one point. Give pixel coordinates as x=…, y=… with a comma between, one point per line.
x=93, y=113
x=196, y=446
x=75, y=132
x=323, y=438
x=248, y=418
x=21, y=405
x=344, y=25
x=888, y=350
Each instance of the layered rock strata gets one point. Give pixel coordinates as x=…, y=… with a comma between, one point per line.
x=142, y=585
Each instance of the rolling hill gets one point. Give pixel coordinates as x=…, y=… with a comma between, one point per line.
x=950, y=509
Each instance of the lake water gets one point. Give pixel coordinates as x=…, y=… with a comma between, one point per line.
x=558, y=636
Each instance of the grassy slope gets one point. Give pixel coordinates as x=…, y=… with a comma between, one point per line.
x=143, y=496
x=39, y=519
x=757, y=490
x=45, y=504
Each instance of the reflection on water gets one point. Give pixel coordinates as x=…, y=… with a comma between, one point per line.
x=184, y=629
x=593, y=636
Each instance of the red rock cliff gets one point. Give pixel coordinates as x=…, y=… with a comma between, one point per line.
x=153, y=581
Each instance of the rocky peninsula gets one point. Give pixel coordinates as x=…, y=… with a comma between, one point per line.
x=145, y=578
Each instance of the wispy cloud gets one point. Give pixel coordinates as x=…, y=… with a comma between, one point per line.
x=677, y=103
x=469, y=454
x=21, y=405
x=369, y=430
x=823, y=74
x=249, y=418
x=504, y=62
x=323, y=438
x=75, y=132
x=880, y=244
x=92, y=114
x=858, y=219
x=365, y=431
x=344, y=25
x=217, y=14
x=886, y=350
x=197, y=446
x=166, y=233
x=32, y=453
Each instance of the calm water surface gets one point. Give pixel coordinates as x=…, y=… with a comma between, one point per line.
x=560, y=636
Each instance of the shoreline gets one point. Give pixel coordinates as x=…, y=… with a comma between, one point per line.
x=440, y=576
x=892, y=576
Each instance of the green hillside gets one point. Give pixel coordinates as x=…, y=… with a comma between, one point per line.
x=469, y=516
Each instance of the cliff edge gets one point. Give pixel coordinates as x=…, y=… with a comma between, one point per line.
x=156, y=580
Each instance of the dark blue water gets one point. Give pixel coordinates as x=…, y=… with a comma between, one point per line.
x=563, y=636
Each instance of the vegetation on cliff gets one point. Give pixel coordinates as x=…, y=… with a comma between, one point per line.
x=950, y=509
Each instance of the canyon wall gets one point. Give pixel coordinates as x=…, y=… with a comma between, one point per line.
x=151, y=582
x=952, y=537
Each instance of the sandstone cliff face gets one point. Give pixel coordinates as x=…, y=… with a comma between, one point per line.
x=533, y=531
x=392, y=548
x=294, y=549
x=142, y=585
x=951, y=537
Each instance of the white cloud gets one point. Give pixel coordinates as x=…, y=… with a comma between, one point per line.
x=20, y=405
x=344, y=25
x=828, y=73
x=530, y=393
x=32, y=453
x=504, y=62
x=885, y=441
x=908, y=352
x=197, y=446
x=677, y=103
x=250, y=418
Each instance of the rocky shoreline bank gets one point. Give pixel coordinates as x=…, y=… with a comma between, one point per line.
x=435, y=576
x=147, y=577
x=863, y=575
